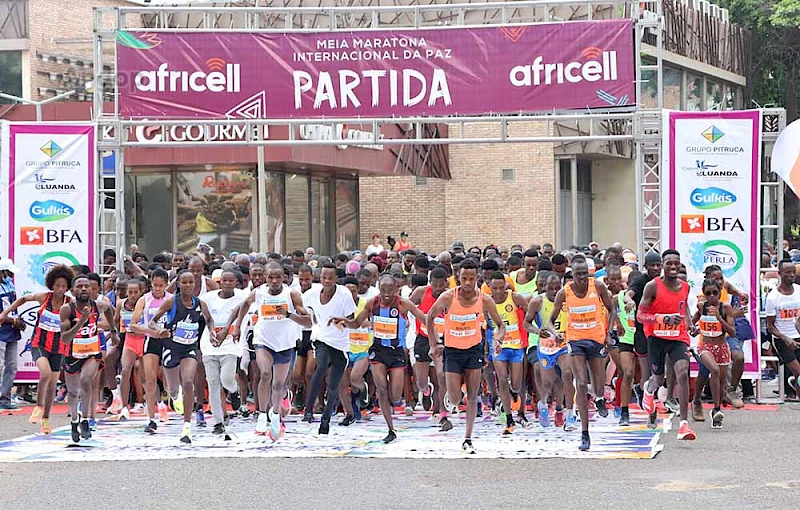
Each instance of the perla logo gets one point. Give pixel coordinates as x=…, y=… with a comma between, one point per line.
x=711, y=198
x=50, y=210
x=167, y=80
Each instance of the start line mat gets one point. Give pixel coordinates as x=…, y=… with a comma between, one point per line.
x=418, y=437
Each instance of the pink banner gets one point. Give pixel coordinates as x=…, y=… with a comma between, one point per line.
x=457, y=71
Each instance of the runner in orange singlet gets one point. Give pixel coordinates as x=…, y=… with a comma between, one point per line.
x=585, y=300
x=462, y=346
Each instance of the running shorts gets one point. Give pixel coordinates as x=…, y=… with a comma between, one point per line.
x=720, y=352
x=53, y=358
x=549, y=361
x=304, y=345
x=422, y=349
x=658, y=349
x=174, y=352
x=134, y=343
x=153, y=346
x=279, y=357
x=587, y=348
x=533, y=355
x=355, y=357
x=74, y=366
x=640, y=342
x=458, y=360
x=508, y=355
x=392, y=357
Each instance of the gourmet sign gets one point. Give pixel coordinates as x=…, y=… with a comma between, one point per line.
x=457, y=71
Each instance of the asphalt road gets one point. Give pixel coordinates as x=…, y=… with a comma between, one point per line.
x=751, y=463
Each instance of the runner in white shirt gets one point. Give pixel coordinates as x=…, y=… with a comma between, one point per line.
x=306, y=364
x=332, y=342
x=783, y=320
x=275, y=336
x=220, y=351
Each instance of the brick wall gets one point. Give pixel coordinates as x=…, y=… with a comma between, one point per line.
x=476, y=206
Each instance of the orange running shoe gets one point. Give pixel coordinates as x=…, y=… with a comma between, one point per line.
x=515, y=402
x=36, y=415
x=46, y=426
x=685, y=433
x=163, y=416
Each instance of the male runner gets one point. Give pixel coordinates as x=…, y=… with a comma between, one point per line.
x=584, y=299
x=360, y=341
x=509, y=354
x=623, y=348
x=664, y=311
x=783, y=320
x=275, y=335
x=326, y=302
x=306, y=364
x=47, y=347
x=461, y=347
x=181, y=334
x=387, y=355
x=525, y=281
x=425, y=368
x=84, y=359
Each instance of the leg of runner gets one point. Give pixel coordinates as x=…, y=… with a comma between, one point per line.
x=151, y=364
x=568, y=379
x=627, y=368
x=422, y=370
x=265, y=362
x=737, y=369
x=597, y=367
x=48, y=375
x=213, y=369
x=502, y=369
x=83, y=379
x=472, y=379
x=581, y=396
x=255, y=384
x=138, y=383
x=281, y=369
x=346, y=398
x=323, y=362
x=380, y=375
x=440, y=390
x=187, y=371
x=519, y=388
x=128, y=361
x=670, y=402
x=200, y=389
x=717, y=384
x=682, y=379
x=489, y=377
x=699, y=383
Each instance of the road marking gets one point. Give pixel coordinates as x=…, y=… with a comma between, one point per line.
x=686, y=486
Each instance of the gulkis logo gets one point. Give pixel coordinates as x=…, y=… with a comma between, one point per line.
x=167, y=80
x=597, y=65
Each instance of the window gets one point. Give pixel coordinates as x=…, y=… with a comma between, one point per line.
x=649, y=97
x=11, y=74
x=346, y=215
x=420, y=180
x=508, y=174
x=713, y=95
x=694, y=92
x=732, y=97
x=672, y=88
x=297, y=217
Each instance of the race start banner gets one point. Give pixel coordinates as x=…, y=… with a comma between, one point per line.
x=710, y=203
x=448, y=71
x=47, y=207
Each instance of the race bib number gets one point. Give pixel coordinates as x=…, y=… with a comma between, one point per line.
x=125, y=323
x=664, y=330
x=583, y=317
x=550, y=345
x=789, y=312
x=438, y=322
x=217, y=329
x=512, y=340
x=710, y=326
x=384, y=328
x=49, y=321
x=85, y=347
x=268, y=310
x=151, y=312
x=463, y=325
x=186, y=332
x=360, y=337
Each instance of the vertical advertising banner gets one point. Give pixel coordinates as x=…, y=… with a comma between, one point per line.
x=710, y=195
x=49, y=214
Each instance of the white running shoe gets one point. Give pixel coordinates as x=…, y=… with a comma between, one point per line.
x=138, y=408
x=124, y=414
x=274, y=425
x=261, y=424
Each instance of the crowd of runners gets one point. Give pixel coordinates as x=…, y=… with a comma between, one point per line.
x=528, y=334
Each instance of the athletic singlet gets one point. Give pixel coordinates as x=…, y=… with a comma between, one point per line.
x=709, y=326
x=47, y=332
x=388, y=324
x=273, y=329
x=584, y=315
x=551, y=345
x=151, y=306
x=125, y=318
x=87, y=341
x=203, y=286
x=508, y=312
x=462, y=325
x=184, y=322
x=360, y=338
x=627, y=321
x=668, y=302
x=425, y=306
x=528, y=290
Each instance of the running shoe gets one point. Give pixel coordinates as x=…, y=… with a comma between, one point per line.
x=571, y=423
x=61, y=394
x=163, y=413
x=544, y=414
x=467, y=447
x=236, y=400
x=648, y=402
x=449, y=406
x=347, y=421
x=445, y=424
x=409, y=410
x=274, y=426
x=92, y=424
x=586, y=443
x=391, y=436
x=559, y=418
x=516, y=402
x=324, y=427
x=732, y=397
x=244, y=409
x=697, y=411
x=86, y=430
x=219, y=429
x=28, y=398
x=46, y=429
x=427, y=402
x=151, y=427
x=308, y=418
x=685, y=433
x=600, y=405
x=76, y=434
x=186, y=434
x=523, y=422
x=124, y=414
x=639, y=392
x=138, y=408
x=9, y=406
x=261, y=424
x=479, y=412
x=617, y=412
x=363, y=398
x=672, y=405
x=716, y=419
x=652, y=420
x=18, y=401
x=36, y=415
x=286, y=403
x=624, y=419
x=177, y=403
x=508, y=430
x=116, y=402
x=201, y=418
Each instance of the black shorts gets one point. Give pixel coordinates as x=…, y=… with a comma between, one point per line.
x=304, y=345
x=640, y=342
x=458, y=360
x=73, y=366
x=623, y=347
x=786, y=353
x=422, y=349
x=153, y=346
x=174, y=352
x=250, y=348
x=392, y=357
x=53, y=358
x=658, y=349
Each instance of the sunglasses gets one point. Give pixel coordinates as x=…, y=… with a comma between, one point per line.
x=711, y=293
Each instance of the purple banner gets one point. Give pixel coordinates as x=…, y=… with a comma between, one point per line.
x=457, y=71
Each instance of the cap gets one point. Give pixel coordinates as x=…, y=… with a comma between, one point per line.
x=216, y=275
x=629, y=257
x=652, y=258
x=458, y=244
x=352, y=267
x=403, y=234
x=8, y=265
x=593, y=243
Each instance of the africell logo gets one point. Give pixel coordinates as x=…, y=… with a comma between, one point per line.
x=167, y=80
x=598, y=65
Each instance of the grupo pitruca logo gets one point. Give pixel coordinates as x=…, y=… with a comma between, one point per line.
x=596, y=65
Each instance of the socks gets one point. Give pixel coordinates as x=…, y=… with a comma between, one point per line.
x=509, y=419
x=625, y=410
